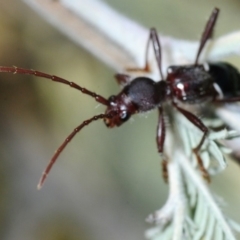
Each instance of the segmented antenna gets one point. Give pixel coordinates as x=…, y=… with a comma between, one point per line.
x=17, y=70
x=67, y=140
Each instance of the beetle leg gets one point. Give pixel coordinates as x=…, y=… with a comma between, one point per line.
x=207, y=33
x=153, y=37
x=161, y=129
x=122, y=79
x=199, y=124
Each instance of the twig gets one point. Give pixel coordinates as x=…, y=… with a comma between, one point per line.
x=119, y=41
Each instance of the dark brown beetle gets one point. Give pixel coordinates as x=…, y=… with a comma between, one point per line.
x=189, y=84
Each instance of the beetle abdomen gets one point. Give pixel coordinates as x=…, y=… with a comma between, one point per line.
x=227, y=77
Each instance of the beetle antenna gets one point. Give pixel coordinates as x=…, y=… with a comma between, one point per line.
x=208, y=31
x=67, y=140
x=17, y=70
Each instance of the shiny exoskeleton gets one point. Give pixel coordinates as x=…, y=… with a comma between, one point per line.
x=190, y=84
x=227, y=77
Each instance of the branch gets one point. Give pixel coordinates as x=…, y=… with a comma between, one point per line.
x=191, y=210
x=119, y=41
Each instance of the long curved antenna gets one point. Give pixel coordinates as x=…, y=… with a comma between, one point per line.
x=66, y=141
x=17, y=70
x=207, y=33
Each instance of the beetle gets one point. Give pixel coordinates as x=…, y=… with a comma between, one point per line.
x=184, y=84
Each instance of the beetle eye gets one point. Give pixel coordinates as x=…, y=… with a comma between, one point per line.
x=112, y=98
x=124, y=115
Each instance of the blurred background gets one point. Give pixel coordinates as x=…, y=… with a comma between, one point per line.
x=106, y=182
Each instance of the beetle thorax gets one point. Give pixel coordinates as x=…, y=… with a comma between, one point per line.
x=191, y=84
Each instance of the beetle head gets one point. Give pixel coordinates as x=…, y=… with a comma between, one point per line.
x=122, y=108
